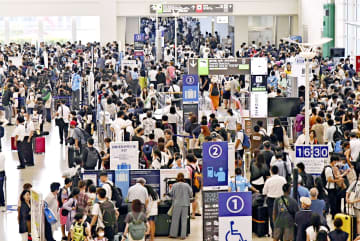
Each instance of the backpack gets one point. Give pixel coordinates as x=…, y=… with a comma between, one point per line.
x=215, y=91
x=323, y=176
x=66, y=76
x=116, y=195
x=2, y=132
x=147, y=149
x=246, y=141
x=108, y=214
x=85, y=134
x=196, y=179
x=59, y=199
x=92, y=158
x=79, y=231
x=137, y=228
x=338, y=147
x=338, y=135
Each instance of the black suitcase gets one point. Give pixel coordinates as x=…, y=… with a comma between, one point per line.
x=72, y=156
x=260, y=221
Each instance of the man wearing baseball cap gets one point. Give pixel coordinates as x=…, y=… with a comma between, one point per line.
x=78, y=135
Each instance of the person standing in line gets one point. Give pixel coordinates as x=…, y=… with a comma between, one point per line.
x=27, y=143
x=7, y=99
x=273, y=189
x=75, y=87
x=181, y=193
x=19, y=138
x=285, y=208
x=62, y=115
x=24, y=215
x=2, y=182
x=52, y=202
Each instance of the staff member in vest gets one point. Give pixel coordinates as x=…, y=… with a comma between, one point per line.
x=181, y=193
x=62, y=115
x=27, y=143
x=19, y=138
x=240, y=183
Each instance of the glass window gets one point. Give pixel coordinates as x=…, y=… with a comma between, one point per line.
x=2, y=29
x=23, y=29
x=57, y=28
x=88, y=28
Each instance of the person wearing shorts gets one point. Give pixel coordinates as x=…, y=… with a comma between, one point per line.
x=284, y=212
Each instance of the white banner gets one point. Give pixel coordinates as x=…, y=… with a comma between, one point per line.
x=129, y=63
x=258, y=104
x=125, y=154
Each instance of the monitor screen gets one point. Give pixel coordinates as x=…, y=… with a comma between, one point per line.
x=337, y=52
x=283, y=107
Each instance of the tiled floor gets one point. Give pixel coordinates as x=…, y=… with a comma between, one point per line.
x=48, y=168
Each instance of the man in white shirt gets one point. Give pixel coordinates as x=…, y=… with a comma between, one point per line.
x=138, y=191
x=119, y=125
x=19, y=138
x=354, y=147
x=52, y=203
x=2, y=182
x=273, y=189
x=106, y=184
x=63, y=114
x=239, y=150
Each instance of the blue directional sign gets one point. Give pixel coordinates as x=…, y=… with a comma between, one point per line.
x=139, y=37
x=235, y=216
x=215, y=163
x=190, y=88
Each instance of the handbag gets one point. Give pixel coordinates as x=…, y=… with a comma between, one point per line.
x=170, y=212
x=50, y=217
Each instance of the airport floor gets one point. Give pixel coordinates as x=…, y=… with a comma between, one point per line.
x=48, y=168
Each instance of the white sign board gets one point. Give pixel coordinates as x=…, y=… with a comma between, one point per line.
x=314, y=157
x=231, y=159
x=258, y=104
x=259, y=66
x=169, y=173
x=129, y=63
x=125, y=154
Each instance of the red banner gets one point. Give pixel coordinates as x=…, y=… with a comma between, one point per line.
x=357, y=64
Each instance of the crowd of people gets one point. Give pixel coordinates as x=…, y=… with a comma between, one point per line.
x=94, y=99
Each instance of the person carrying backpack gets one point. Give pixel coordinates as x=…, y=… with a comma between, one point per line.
x=80, y=229
x=104, y=214
x=90, y=156
x=79, y=135
x=137, y=225
x=112, y=193
x=196, y=182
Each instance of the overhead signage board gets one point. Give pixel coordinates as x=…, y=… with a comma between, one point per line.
x=238, y=66
x=314, y=157
x=259, y=66
x=215, y=164
x=190, y=88
x=191, y=8
x=258, y=83
x=139, y=44
x=235, y=216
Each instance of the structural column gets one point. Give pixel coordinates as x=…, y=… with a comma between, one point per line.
x=107, y=10
x=121, y=31
x=241, y=34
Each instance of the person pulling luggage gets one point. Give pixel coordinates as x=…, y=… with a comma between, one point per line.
x=27, y=143
x=19, y=138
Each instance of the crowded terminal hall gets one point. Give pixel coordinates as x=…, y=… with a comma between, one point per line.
x=144, y=121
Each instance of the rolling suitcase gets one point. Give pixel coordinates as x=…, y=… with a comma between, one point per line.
x=40, y=145
x=13, y=147
x=260, y=221
x=349, y=224
x=72, y=156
